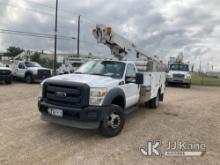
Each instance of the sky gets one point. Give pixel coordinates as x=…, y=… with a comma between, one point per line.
x=163, y=28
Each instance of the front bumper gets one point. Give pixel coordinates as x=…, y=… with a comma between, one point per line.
x=40, y=77
x=178, y=80
x=5, y=77
x=85, y=118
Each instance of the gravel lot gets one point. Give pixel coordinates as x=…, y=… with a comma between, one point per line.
x=191, y=115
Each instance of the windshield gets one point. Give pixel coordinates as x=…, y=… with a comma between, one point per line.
x=76, y=64
x=179, y=67
x=103, y=68
x=32, y=64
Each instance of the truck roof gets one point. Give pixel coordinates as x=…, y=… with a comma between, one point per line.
x=127, y=62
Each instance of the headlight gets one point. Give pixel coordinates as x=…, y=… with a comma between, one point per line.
x=35, y=72
x=187, y=76
x=97, y=96
x=40, y=91
x=169, y=75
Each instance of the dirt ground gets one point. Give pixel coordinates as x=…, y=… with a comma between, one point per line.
x=191, y=115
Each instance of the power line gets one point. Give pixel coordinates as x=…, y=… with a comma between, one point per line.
x=33, y=10
x=52, y=7
x=63, y=10
x=90, y=21
x=39, y=4
x=30, y=35
x=40, y=35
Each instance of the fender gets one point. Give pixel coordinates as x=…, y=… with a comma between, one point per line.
x=28, y=72
x=112, y=94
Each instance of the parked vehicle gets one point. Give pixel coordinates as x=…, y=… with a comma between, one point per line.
x=101, y=92
x=70, y=65
x=179, y=73
x=5, y=73
x=29, y=71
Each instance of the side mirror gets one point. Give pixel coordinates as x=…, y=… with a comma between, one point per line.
x=139, y=78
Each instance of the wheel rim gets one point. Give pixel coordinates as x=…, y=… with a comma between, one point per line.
x=28, y=79
x=114, y=120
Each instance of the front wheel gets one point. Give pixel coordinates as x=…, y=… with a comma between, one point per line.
x=28, y=79
x=113, y=122
x=188, y=86
x=8, y=81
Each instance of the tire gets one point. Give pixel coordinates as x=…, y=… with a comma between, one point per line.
x=188, y=86
x=28, y=79
x=8, y=81
x=161, y=97
x=154, y=103
x=113, y=122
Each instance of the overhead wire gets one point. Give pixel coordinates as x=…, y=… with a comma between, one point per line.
x=32, y=34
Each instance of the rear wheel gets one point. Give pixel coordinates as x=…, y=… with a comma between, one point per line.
x=154, y=103
x=28, y=79
x=188, y=86
x=113, y=122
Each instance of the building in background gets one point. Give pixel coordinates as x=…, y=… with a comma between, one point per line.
x=213, y=74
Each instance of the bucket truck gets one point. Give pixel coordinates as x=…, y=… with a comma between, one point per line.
x=178, y=72
x=101, y=92
x=29, y=71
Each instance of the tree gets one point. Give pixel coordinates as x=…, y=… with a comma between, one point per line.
x=36, y=57
x=13, y=51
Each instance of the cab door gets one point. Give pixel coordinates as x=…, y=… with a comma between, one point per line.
x=130, y=87
x=20, y=70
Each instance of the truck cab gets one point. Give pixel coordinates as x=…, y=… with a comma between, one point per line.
x=96, y=96
x=179, y=74
x=30, y=71
x=5, y=73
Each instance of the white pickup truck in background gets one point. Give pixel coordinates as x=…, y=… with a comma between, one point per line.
x=101, y=92
x=29, y=71
x=5, y=73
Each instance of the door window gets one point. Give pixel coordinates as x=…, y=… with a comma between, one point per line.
x=130, y=74
x=131, y=71
x=21, y=66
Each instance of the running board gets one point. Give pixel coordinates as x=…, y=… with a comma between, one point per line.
x=131, y=109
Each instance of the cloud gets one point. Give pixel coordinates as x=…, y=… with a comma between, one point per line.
x=158, y=27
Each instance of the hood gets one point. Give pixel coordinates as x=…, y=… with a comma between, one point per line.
x=178, y=72
x=5, y=68
x=36, y=68
x=91, y=80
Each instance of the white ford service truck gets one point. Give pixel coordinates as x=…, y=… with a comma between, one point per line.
x=101, y=92
x=29, y=71
x=5, y=73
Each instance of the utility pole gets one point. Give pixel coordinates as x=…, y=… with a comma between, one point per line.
x=78, y=36
x=200, y=67
x=55, y=42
